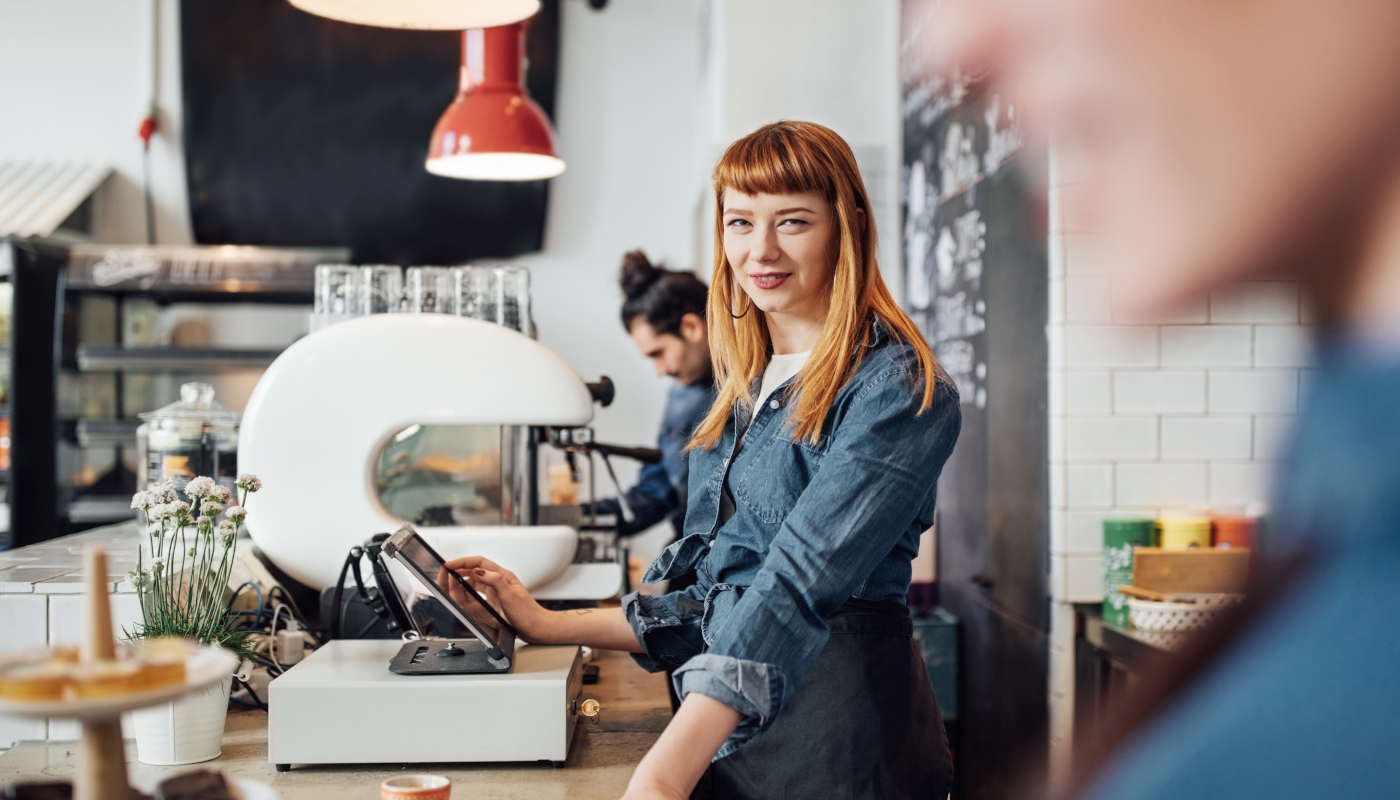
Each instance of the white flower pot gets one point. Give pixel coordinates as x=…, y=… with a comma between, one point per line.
x=186, y=730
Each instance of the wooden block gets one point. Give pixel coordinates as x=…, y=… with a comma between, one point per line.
x=1195, y=570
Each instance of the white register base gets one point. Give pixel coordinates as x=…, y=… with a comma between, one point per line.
x=342, y=705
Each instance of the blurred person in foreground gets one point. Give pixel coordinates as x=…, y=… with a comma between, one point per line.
x=1207, y=143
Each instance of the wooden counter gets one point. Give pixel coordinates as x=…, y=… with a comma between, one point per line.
x=635, y=710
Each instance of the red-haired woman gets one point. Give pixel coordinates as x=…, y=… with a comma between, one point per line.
x=811, y=479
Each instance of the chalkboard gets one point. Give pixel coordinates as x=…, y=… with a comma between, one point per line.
x=301, y=130
x=976, y=275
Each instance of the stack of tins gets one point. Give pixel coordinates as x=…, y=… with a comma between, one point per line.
x=1120, y=538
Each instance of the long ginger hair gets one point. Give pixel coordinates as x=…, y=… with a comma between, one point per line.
x=791, y=158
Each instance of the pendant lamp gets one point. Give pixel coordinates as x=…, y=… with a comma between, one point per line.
x=436, y=15
x=493, y=131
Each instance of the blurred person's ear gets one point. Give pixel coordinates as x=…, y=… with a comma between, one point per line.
x=692, y=328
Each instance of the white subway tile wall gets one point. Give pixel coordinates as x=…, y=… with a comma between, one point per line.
x=1181, y=412
x=1185, y=412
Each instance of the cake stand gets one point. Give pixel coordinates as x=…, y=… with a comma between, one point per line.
x=102, y=771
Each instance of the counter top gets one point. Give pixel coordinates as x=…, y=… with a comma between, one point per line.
x=635, y=710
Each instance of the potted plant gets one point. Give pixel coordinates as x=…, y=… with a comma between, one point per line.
x=181, y=577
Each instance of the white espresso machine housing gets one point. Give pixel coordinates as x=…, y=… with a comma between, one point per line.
x=313, y=430
x=322, y=412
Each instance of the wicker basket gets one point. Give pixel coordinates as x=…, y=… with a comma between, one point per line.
x=1154, y=615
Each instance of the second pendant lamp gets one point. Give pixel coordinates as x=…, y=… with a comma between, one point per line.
x=493, y=131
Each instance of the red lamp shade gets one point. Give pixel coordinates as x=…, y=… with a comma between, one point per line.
x=493, y=131
x=438, y=15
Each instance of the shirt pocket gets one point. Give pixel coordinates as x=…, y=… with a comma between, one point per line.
x=776, y=474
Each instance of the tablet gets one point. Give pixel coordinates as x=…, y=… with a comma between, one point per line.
x=455, y=594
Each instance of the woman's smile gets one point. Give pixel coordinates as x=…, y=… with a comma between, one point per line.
x=769, y=280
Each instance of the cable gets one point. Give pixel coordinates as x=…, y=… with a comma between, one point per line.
x=272, y=636
x=258, y=701
x=239, y=591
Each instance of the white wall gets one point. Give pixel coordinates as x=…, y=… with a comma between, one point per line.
x=75, y=81
x=1182, y=414
x=829, y=61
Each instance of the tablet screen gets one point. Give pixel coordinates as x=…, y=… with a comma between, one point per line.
x=429, y=567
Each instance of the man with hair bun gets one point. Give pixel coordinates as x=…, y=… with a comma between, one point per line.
x=663, y=311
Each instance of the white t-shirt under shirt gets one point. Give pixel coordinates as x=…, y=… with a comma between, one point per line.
x=780, y=369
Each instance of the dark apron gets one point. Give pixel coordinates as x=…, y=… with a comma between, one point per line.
x=864, y=723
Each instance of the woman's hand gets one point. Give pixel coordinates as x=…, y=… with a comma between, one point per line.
x=502, y=590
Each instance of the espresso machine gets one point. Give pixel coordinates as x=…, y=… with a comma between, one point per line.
x=349, y=431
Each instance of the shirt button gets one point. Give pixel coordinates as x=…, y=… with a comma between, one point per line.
x=774, y=404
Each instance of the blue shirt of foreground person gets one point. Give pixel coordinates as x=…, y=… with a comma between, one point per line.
x=1195, y=174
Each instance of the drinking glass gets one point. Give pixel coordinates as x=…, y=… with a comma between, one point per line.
x=478, y=291
x=430, y=290
x=337, y=290
x=515, y=299
x=381, y=288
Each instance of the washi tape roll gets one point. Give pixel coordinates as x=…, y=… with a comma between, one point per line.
x=1183, y=533
x=1120, y=537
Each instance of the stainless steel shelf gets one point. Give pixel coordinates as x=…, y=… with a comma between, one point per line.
x=105, y=358
x=100, y=509
x=106, y=432
x=227, y=270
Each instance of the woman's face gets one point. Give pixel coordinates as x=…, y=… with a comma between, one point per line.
x=1198, y=141
x=782, y=250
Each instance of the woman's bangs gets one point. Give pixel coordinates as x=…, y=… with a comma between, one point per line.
x=771, y=163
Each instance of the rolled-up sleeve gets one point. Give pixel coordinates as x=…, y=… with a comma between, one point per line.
x=667, y=627
x=878, y=472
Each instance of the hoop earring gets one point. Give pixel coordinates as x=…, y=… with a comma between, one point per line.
x=746, y=311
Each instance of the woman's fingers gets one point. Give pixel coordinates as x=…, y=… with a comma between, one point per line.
x=472, y=562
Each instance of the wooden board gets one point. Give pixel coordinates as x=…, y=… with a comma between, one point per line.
x=1179, y=571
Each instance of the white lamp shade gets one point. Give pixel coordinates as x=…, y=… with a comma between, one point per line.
x=436, y=15
x=496, y=166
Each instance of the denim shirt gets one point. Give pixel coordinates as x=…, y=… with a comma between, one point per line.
x=661, y=487
x=814, y=525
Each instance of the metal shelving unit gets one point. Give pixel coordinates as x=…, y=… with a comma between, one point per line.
x=50, y=278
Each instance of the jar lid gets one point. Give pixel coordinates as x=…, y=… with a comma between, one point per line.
x=196, y=404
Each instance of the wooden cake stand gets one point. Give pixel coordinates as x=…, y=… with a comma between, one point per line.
x=102, y=771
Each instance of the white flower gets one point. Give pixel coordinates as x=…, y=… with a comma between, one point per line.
x=249, y=482
x=221, y=494
x=179, y=513
x=163, y=492
x=161, y=511
x=210, y=509
x=199, y=487
x=140, y=499
x=236, y=513
x=228, y=527
x=157, y=567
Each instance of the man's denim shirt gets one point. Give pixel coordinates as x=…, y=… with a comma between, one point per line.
x=661, y=487
x=814, y=525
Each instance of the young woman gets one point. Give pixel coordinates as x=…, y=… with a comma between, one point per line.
x=811, y=479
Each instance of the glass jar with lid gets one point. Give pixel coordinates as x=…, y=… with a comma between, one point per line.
x=192, y=436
